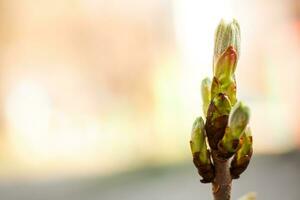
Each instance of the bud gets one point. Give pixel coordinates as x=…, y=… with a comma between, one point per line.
x=246, y=145
x=226, y=54
x=237, y=122
x=217, y=119
x=201, y=155
x=220, y=106
x=238, y=119
x=197, y=137
x=227, y=87
x=227, y=34
x=205, y=90
x=242, y=157
x=197, y=143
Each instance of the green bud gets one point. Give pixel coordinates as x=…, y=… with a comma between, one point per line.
x=217, y=119
x=246, y=145
x=237, y=122
x=242, y=157
x=226, y=54
x=205, y=91
x=227, y=34
x=220, y=106
x=201, y=155
x=197, y=137
x=238, y=119
x=228, y=88
x=197, y=142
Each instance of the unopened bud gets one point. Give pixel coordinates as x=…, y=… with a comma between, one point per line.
x=220, y=106
x=242, y=157
x=238, y=119
x=237, y=122
x=227, y=34
x=229, y=88
x=217, y=119
x=201, y=155
x=198, y=143
x=198, y=136
x=246, y=144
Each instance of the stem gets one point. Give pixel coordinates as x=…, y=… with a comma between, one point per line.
x=221, y=184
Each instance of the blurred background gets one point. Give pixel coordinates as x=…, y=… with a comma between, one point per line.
x=97, y=97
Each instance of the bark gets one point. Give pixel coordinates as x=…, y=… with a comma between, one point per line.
x=221, y=184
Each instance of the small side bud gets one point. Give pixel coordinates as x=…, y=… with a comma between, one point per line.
x=220, y=106
x=201, y=155
x=242, y=157
x=246, y=144
x=238, y=119
x=237, y=122
x=197, y=142
x=205, y=91
x=217, y=119
x=227, y=87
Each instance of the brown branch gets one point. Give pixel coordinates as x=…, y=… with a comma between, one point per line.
x=221, y=184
